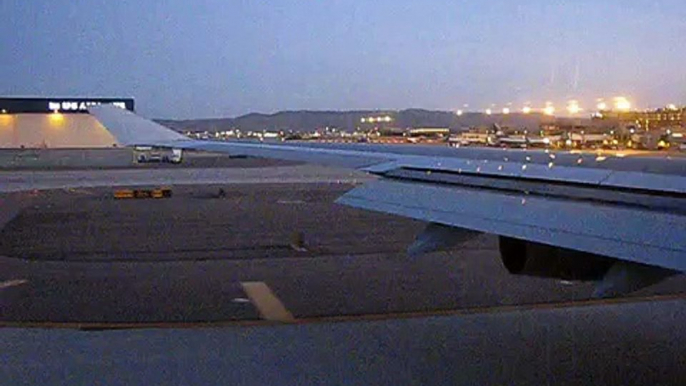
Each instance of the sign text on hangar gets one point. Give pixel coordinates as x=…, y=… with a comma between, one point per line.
x=31, y=105
x=80, y=105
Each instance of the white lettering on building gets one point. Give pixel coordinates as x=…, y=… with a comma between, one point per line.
x=79, y=106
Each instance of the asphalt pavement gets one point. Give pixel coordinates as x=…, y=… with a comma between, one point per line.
x=626, y=343
x=248, y=281
x=82, y=256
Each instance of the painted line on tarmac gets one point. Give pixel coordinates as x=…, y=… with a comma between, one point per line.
x=269, y=306
x=12, y=283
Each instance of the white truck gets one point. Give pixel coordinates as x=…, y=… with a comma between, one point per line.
x=147, y=154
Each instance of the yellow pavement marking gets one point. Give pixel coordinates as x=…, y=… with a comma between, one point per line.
x=12, y=283
x=269, y=306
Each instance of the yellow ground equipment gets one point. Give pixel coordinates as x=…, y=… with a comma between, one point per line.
x=143, y=193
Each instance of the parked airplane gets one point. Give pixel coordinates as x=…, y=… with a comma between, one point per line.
x=620, y=223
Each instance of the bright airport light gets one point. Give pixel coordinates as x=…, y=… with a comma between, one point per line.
x=622, y=104
x=526, y=110
x=573, y=107
x=602, y=106
x=56, y=118
x=489, y=111
x=506, y=110
x=459, y=113
x=5, y=120
x=386, y=118
x=549, y=110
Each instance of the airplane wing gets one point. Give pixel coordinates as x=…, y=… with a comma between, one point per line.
x=620, y=222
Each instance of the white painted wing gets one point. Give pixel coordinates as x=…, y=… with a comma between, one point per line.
x=130, y=129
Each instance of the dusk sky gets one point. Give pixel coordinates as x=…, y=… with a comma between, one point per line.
x=220, y=58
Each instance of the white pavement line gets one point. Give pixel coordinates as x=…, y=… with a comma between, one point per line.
x=269, y=306
x=12, y=283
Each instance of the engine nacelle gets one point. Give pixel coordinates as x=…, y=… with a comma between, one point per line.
x=532, y=259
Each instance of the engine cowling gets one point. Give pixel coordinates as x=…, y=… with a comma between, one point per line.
x=522, y=257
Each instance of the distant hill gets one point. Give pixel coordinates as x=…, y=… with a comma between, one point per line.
x=350, y=120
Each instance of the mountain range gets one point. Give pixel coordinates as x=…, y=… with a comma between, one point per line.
x=304, y=120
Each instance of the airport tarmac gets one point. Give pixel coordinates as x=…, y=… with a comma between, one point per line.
x=88, y=257
x=116, y=158
x=83, y=256
x=18, y=181
x=354, y=308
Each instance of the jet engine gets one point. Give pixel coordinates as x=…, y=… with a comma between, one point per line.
x=522, y=257
x=612, y=276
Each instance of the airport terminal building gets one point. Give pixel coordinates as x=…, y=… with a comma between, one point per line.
x=54, y=122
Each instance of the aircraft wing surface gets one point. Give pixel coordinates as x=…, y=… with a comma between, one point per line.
x=612, y=210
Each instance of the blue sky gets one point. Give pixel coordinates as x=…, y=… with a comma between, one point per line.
x=214, y=58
